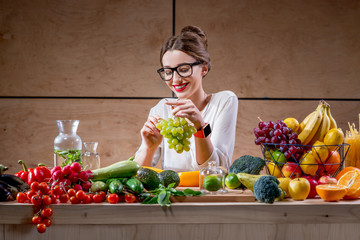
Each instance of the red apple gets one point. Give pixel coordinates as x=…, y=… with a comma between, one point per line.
x=327, y=180
x=291, y=169
x=313, y=184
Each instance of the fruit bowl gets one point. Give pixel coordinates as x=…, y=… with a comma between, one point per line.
x=304, y=160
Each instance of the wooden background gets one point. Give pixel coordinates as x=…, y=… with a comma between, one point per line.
x=96, y=61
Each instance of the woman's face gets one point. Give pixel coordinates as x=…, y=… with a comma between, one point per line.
x=184, y=87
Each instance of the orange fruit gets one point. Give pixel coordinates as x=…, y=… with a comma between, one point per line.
x=331, y=165
x=345, y=170
x=331, y=192
x=351, y=180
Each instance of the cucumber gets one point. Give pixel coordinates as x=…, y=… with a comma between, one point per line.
x=134, y=185
x=116, y=186
x=122, y=169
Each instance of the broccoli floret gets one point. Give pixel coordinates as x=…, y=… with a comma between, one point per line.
x=266, y=189
x=247, y=164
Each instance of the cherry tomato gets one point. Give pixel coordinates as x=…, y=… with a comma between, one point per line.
x=21, y=197
x=36, y=219
x=47, y=212
x=44, y=187
x=103, y=195
x=57, y=190
x=80, y=195
x=41, y=227
x=87, y=199
x=64, y=198
x=35, y=186
x=30, y=193
x=97, y=198
x=113, y=198
x=74, y=200
x=36, y=200
x=46, y=200
x=47, y=222
x=130, y=198
x=71, y=192
x=54, y=199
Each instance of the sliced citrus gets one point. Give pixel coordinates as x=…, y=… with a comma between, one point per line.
x=351, y=180
x=331, y=192
x=345, y=170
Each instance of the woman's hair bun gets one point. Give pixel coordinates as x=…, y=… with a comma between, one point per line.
x=197, y=31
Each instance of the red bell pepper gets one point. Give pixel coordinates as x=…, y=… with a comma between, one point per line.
x=42, y=173
x=23, y=174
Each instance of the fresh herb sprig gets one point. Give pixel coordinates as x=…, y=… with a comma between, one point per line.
x=162, y=195
x=69, y=156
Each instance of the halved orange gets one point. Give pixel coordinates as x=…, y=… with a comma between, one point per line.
x=351, y=180
x=345, y=170
x=331, y=192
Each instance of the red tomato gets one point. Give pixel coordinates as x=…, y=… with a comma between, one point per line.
x=57, y=190
x=46, y=200
x=103, y=195
x=36, y=219
x=113, y=198
x=74, y=200
x=21, y=197
x=97, y=198
x=130, y=198
x=71, y=192
x=80, y=195
x=35, y=186
x=41, y=227
x=44, y=187
x=47, y=212
x=36, y=200
x=30, y=193
x=47, y=222
x=64, y=198
x=87, y=199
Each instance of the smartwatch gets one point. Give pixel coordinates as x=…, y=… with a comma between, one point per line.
x=204, y=131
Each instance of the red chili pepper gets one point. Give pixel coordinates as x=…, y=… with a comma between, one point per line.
x=23, y=174
x=42, y=173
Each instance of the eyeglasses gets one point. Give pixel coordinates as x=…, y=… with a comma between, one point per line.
x=184, y=70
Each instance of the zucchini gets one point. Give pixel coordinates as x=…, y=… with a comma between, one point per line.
x=122, y=169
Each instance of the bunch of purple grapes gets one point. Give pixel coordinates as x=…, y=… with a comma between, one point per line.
x=278, y=135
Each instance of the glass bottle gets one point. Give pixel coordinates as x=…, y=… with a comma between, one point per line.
x=67, y=145
x=212, y=179
x=90, y=158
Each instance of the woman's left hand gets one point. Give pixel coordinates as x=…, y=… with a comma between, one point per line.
x=186, y=108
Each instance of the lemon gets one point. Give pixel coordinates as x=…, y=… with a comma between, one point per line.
x=274, y=170
x=292, y=123
x=212, y=183
x=320, y=152
x=308, y=164
x=232, y=181
x=334, y=136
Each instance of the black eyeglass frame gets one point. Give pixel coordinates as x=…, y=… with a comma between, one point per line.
x=176, y=69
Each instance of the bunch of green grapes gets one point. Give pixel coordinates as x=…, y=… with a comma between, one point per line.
x=177, y=131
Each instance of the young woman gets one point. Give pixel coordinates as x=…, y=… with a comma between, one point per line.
x=185, y=62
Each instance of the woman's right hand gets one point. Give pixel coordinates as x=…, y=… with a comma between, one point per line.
x=150, y=135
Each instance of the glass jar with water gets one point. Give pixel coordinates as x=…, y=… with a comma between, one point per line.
x=67, y=145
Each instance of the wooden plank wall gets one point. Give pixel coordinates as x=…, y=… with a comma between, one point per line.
x=96, y=61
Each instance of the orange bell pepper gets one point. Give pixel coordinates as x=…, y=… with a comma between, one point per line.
x=189, y=179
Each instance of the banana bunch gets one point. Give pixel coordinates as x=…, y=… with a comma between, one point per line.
x=315, y=126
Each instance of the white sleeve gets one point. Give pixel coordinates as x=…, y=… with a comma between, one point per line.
x=223, y=134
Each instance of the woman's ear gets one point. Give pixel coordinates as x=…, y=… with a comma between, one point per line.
x=204, y=70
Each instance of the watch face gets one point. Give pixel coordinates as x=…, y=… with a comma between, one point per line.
x=207, y=130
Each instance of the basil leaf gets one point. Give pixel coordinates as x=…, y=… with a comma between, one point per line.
x=150, y=200
x=191, y=192
x=171, y=185
x=162, y=197
x=178, y=193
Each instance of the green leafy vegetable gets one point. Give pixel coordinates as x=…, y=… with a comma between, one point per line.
x=162, y=195
x=69, y=156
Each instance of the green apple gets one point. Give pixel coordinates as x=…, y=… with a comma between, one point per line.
x=299, y=188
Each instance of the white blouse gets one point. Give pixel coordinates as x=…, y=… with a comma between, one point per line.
x=221, y=114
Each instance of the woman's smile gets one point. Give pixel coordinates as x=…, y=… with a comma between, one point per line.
x=181, y=87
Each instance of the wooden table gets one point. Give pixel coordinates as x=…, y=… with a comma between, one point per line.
x=310, y=219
